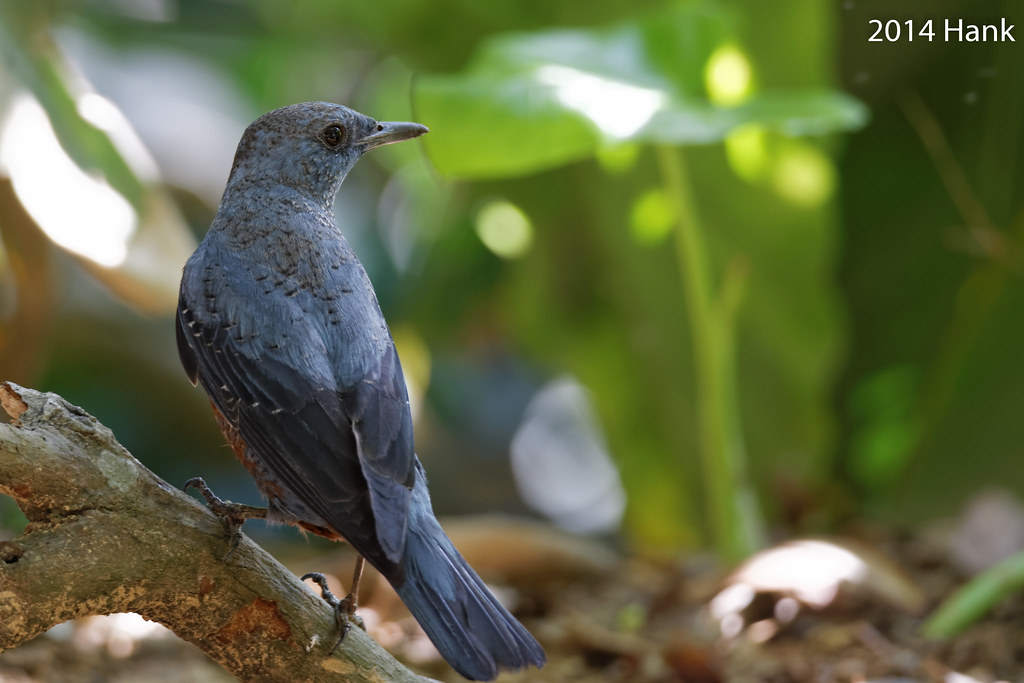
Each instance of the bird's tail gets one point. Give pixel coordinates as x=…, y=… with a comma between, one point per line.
x=467, y=624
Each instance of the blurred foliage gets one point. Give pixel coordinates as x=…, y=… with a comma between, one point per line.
x=531, y=101
x=666, y=200
x=931, y=267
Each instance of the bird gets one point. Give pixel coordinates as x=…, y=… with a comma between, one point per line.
x=279, y=324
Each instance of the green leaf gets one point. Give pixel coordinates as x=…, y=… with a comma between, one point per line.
x=481, y=128
x=533, y=101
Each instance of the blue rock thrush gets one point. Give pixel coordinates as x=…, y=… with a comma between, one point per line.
x=279, y=324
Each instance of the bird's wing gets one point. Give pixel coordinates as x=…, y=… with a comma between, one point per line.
x=378, y=406
x=345, y=453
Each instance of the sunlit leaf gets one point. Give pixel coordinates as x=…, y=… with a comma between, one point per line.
x=516, y=129
x=78, y=168
x=528, y=102
x=36, y=61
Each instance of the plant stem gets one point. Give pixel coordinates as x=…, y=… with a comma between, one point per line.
x=735, y=519
x=975, y=598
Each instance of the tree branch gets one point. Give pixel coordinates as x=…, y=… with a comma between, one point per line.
x=106, y=535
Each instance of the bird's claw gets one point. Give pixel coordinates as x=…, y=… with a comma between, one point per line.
x=233, y=514
x=344, y=609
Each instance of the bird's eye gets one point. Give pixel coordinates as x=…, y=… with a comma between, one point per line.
x=333, y=135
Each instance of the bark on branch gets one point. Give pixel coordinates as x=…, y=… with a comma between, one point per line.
x=106, y=535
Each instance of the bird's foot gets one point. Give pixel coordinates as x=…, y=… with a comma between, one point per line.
x=233, y=514
x=344, y=609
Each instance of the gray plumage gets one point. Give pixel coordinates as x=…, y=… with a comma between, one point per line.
x=278, y=322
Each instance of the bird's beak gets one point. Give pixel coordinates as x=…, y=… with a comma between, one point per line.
x=389, y=132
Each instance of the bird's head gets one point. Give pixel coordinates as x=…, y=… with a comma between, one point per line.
x=310, y=147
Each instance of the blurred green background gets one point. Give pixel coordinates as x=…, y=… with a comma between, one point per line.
x=681, y=272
